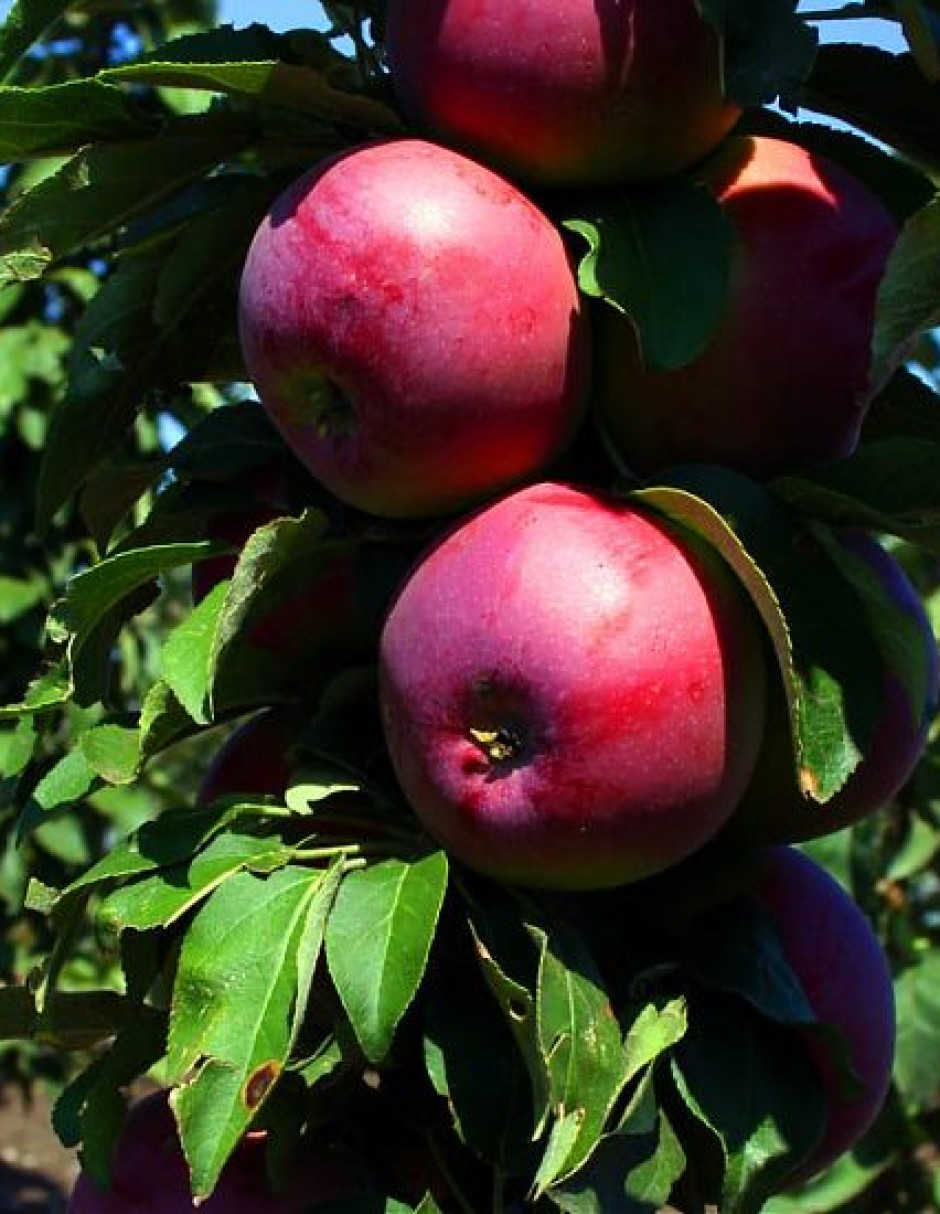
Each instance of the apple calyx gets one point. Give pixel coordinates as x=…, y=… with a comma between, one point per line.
x=332, y=411
x=501, y=745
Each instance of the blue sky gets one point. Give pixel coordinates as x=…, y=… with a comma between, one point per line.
x=284, y=14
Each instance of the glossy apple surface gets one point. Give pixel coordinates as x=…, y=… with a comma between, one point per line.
x=412, y=325
x=835, y=954
x=572, y=690
x=563, y=91
x=150, y=1175
x=773, y=809
x=783, y=383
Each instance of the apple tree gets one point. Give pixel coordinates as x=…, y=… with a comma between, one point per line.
x=469, y=582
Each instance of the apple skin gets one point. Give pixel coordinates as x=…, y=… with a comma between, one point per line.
x=254, y=760
x=835, y=954
x=773, y=809
x=572, y=690
x=412, y=325
x=563, y=91
x=783, y=383
x=150, y=1175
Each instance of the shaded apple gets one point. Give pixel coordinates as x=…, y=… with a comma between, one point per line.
x=150, y=1175
x=255, y=759
x=834, y=952
x=412, y=325
x=572, y=690
x=783, y=383
x=773, y=810
x=563, y=91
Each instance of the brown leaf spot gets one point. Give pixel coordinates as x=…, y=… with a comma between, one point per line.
x=260, y=1082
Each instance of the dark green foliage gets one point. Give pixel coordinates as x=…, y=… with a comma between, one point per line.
x=304, y=958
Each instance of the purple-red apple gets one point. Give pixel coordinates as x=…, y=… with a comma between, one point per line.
x=255, y=760
x=773, y=810
x=783, y=383
x=563, y=91
x=150, y=1175
x=835, y=954
x=412, y=325
x=572, y=690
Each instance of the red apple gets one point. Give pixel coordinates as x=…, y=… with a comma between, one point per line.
x=835, y=954
x=773, y=810
x=572, y=690
x=255, y=759
x=783, y=383
x=150, y=1175
x=412, y=324
x=563, y=91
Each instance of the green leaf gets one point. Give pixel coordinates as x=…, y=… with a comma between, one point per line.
x=917, y=995
x=827, y=657
x=883, y=94
x=17, y=746
x=378, y=939
x=92, y=594
x=768, y=49
x=920, y=35
x=91, y=1108
x=70, y=1020
x=50, y=690
x=754, y=1085
x=110, y=493
x=68, y=781
x=169, y=840
x=258, y=64
x=909, y=294
x=19, y=595
x=163, y=720
x=635, y=1167
x=474, y=1064
x=233, y=1013
x=158, y=320
x=888, y=485
x=834, y=1188
x=581, y=1039
x=188, y=653
x=509, y=959
x=915, y=850
x=654, y=1031
x=233, y=440
x=112, y=752
x=908, y=407
x=898, y=633
x=113, y=346
x=60, y=118
x=161, y=898
x=735, y=948
x=211, y=250
x=662, y=254
x=26, y=21
x=18, y=1014
x=288, y=549
x=103, y=187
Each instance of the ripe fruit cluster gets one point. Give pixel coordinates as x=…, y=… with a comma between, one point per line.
x=574, y=689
